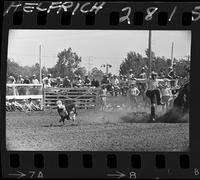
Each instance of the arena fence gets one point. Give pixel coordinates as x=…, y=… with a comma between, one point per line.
x=83, y=98
x=21, y=92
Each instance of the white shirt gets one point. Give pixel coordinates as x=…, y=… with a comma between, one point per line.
x=47, y=83
x=152, y=84
x=35, y=81
x=166, y=92
x=116, y=81
x=104, y=92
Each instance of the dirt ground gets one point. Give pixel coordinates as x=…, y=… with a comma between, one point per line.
x=94, y=130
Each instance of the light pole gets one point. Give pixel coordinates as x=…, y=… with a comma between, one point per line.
x=150, y=58
x=40, y=47
x=106, y=66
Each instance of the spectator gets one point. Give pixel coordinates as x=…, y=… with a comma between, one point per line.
x=11, y=90
x=95, y=83
x=66, y=82
x=78, y=81
x=103, y=96
x=162, y=74
x=87, y=81
x=133, y=93
x=20, y=80
x=116, y=81
x=112, y=80
x=131, y=75
x=172, y=75
x=26, y=80
x=59, y=82
x=105, y=80
x=11, y=80
x=47, y=81
x=35, y=80
x=143, y=74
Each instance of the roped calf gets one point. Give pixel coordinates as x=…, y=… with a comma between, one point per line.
x=66, y=110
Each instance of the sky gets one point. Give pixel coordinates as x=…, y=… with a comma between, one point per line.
x=97, y=46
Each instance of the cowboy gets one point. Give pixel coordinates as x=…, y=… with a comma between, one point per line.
x=58, y=81
x=66, y=82
x=20, y=80
x=142, y=86
x=153, y=89
x=47, y=81
x=87, y=81
x=95, y=83
x=172, y=75
x=26, y=80
x=133, y=93
x=105, y=80
x=79, y=82
x=143, y=74
x=11, y=80
x=162, y=74
x=131, y=75
x=35, y=80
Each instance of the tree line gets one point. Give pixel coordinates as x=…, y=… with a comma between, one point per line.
x=68, y=64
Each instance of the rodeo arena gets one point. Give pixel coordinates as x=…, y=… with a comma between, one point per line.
x=149, y=112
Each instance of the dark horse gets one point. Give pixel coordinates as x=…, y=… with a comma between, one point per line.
x=180, y=111
x=182, y=101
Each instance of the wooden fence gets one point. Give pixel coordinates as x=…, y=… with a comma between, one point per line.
x=84, y=98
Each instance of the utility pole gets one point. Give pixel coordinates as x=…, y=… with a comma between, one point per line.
x=188, y=58
x=172, y=55
x=89, y=64
x=106, y=66
x=40, y=49
x=150, y=58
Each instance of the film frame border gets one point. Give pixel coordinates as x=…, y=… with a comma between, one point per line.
x=99, y=159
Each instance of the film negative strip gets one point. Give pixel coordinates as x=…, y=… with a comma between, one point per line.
x=100, y=89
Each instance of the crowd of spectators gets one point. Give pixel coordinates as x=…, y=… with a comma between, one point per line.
x=78, y=81
x=114, y=84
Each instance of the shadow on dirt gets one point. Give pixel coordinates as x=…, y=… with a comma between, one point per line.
x=136, y=117
x=59, y=125
x=174, y=115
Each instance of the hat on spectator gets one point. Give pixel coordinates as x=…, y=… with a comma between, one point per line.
x=49, y=75
x=153, y=73
x=34, y=75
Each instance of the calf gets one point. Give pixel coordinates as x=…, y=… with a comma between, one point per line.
x=66, y=110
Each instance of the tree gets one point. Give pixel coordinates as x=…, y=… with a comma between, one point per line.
x=67, y=64
x=97, y=73
x=133, y=61
x=13, y=68
x=152, y=53
x=81, y=71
